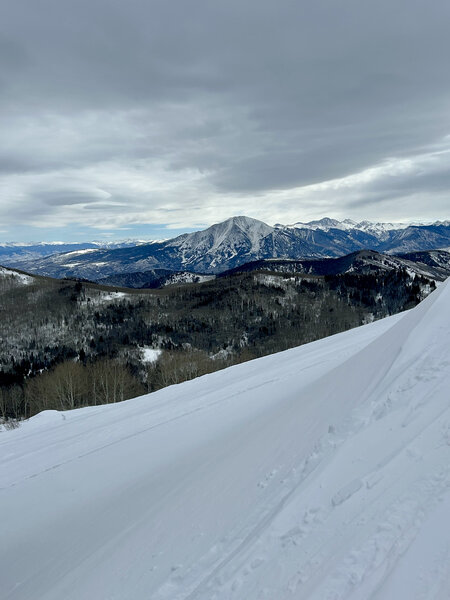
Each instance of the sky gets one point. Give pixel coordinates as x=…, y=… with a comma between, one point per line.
x=147, y=118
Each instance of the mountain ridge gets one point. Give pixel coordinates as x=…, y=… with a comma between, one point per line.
x=431, y=264
x=234, y=242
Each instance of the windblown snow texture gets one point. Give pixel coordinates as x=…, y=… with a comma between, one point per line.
x=320, y=473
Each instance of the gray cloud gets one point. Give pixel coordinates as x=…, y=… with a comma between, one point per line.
x=186, y=110
x=65, y=197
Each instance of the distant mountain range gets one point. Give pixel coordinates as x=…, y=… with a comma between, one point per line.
x=377, y=229
x=237, y=241
x=16, y=252
x=432, y=264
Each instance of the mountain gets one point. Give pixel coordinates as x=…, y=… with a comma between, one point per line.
x=431, y=264
x=14, y=254
x=319, y=472
x=377, y=229
x=237, y=241
x=416, y=238
x=226, y=243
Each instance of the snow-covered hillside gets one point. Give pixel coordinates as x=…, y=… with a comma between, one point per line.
x=15, y=276
x=320, y=473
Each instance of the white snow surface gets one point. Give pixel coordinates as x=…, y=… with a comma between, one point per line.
x=80, y=252
x=150, y=355
x=319, y=473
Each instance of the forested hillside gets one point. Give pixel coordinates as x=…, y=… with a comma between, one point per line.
x=66, y=344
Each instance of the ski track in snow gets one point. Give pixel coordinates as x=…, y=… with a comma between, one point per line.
x=319, y=473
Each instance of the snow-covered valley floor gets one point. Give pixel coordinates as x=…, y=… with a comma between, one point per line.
x=320, y=473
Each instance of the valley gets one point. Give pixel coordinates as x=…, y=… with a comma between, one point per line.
x=65, y=344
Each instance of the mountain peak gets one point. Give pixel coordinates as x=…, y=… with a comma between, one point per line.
x=242, y=221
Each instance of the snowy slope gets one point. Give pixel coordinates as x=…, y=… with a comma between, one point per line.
x=320, y=473
x=15, y=276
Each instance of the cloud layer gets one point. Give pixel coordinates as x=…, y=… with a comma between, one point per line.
x=184, y=113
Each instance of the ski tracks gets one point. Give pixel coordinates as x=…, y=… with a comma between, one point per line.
x=288, y=551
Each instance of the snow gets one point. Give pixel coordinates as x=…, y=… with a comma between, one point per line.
x=326, y=224
x=150, y=355
x=377, y=229
x=187, y=277
x=113, y=296
x=100, y=297
x=18, y=277
x=80, y=252
x=222, y=242
x=319, y=473
x=26, y=244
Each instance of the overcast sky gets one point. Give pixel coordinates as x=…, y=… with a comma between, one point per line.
x=146, y=118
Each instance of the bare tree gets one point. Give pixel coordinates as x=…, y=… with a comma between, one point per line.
x=110, y=381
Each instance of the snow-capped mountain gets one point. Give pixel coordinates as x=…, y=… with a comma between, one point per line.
x=221, y=243
x=325, y=224
x=237, y=241
x=316, y=473
x=225, y=244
